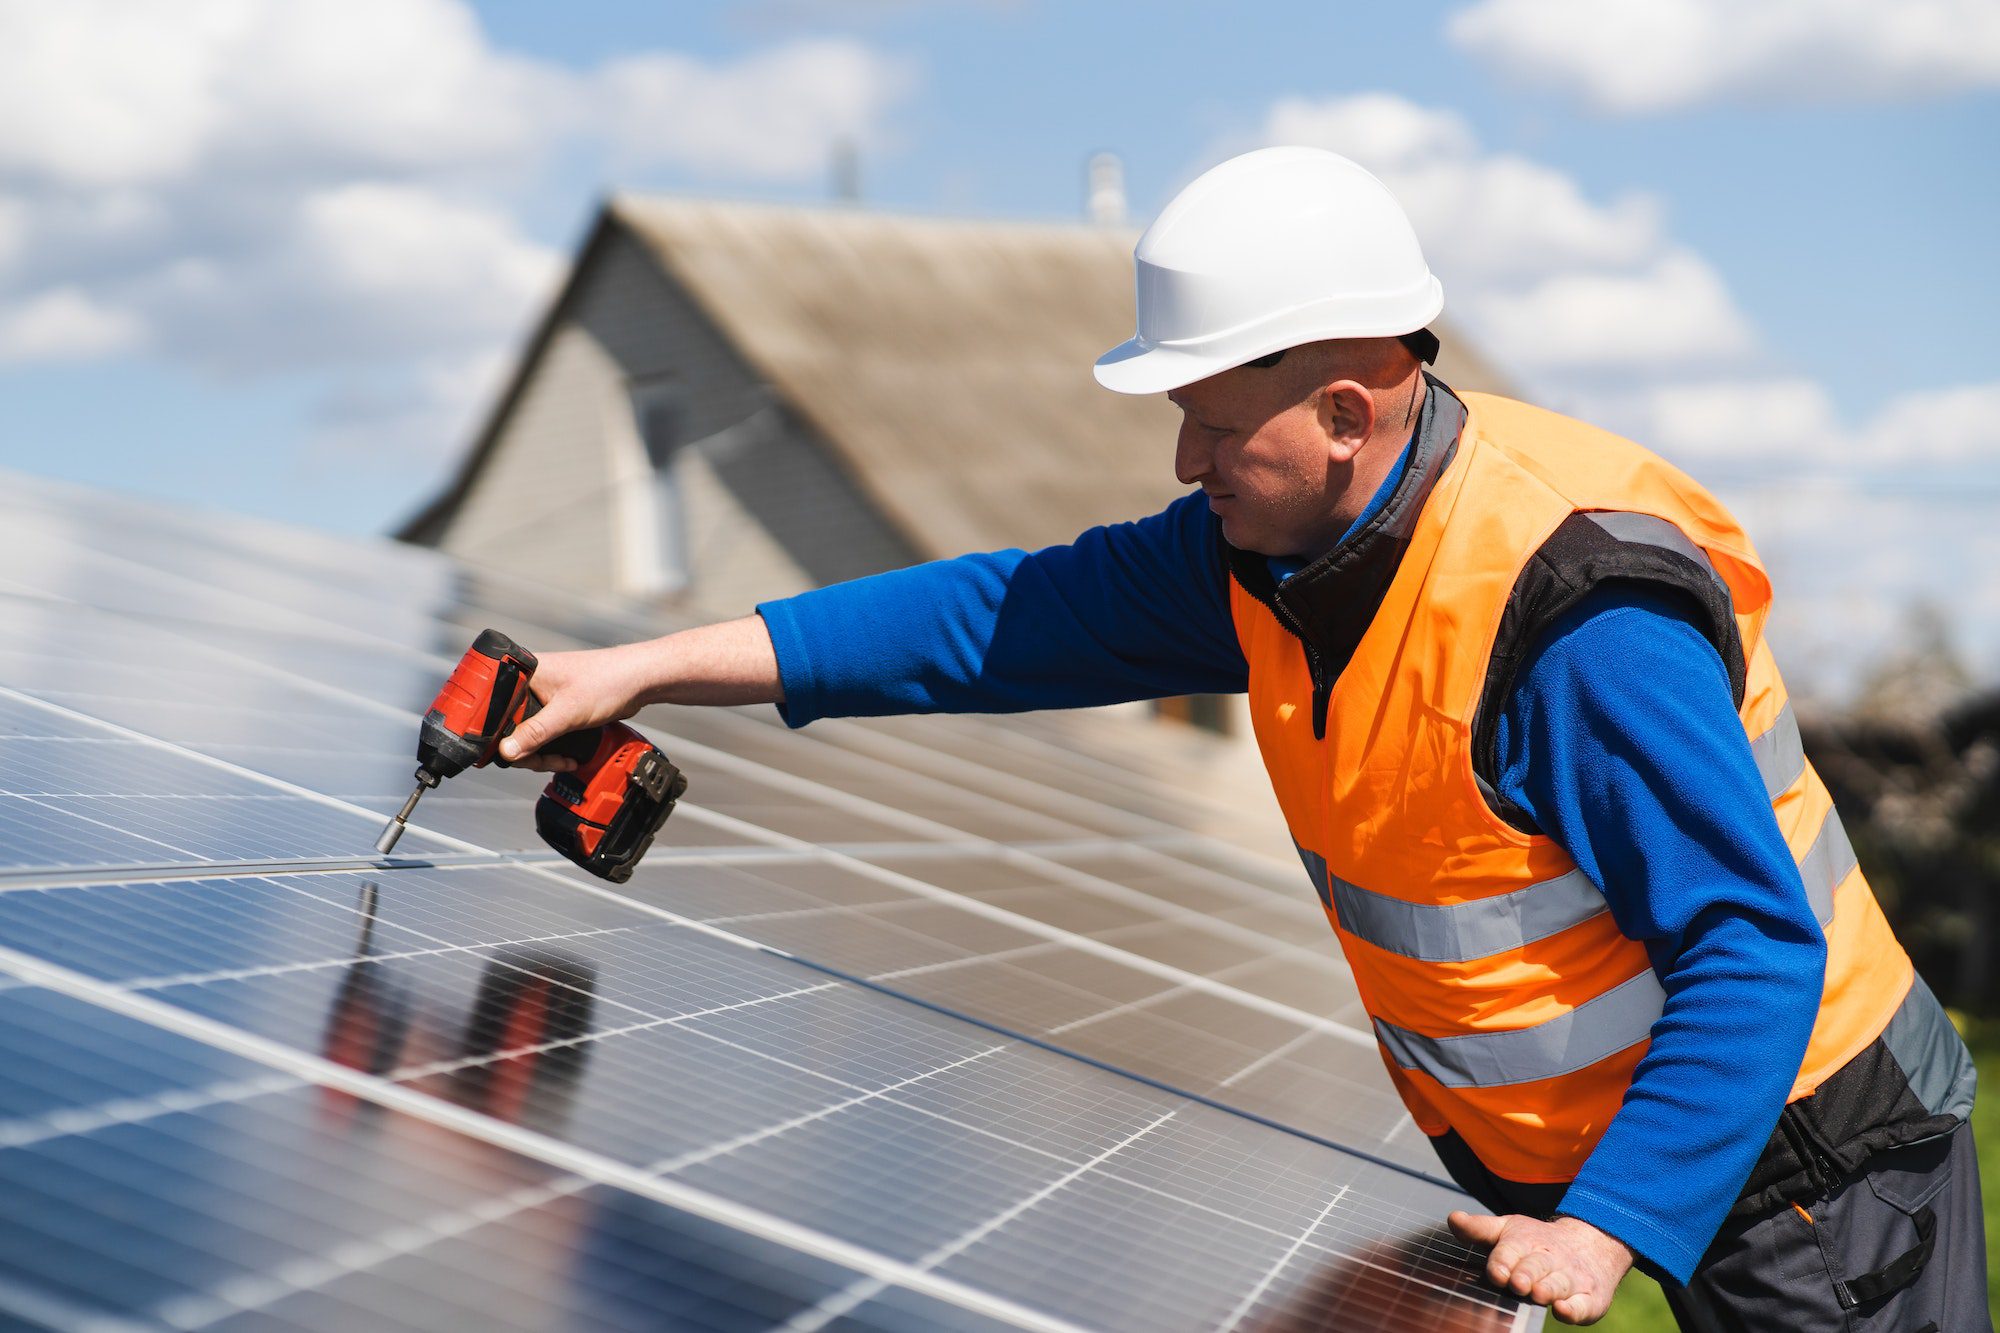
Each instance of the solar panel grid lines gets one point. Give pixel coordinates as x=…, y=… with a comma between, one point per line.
x=1136, y=1071
x=361, y=1181
x=528, y=1143
x=1250, y=1299
x=404, y=1073
x=330, y=802
x=145, y=748
x=257, y=1291
x=405, y=1239
x=1098, y=757
x=751, y=829
x=1073, y=940
x=53, y=877
x=942, y=786
x=1091, y=882
x=835, y=1306
x=925, y=827
x=763, y=771
x=1007, y=745
x=989, y=1169
x=141, y=588
x=483, y=937
x=933, y=763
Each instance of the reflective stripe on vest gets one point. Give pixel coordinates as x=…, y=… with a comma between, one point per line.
x=1597, y=1027
x=1593, y=1031
x=1584, y=1035
x=1460, y=932
x=1652, y=531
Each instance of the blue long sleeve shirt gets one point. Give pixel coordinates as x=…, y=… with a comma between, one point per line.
x=1620, y=738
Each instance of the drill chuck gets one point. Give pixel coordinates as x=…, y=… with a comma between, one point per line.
x=393, y=830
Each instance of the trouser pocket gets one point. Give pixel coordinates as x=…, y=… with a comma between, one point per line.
x=1877, y=1234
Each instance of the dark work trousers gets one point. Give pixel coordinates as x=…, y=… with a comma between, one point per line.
x=1900, y=1245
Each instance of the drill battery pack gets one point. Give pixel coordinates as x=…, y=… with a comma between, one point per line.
x=604, y=816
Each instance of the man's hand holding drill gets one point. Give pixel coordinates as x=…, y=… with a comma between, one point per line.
x=727, y=663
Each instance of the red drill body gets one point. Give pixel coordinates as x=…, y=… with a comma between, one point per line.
x=603, y=816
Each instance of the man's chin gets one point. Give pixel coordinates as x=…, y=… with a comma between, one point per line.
x=1245, y=536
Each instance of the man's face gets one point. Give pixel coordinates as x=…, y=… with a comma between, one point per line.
x=1262, y=456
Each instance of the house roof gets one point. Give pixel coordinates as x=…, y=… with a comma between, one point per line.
x=946, y=362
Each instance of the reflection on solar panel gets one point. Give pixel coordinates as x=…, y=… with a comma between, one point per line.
x=932, y=1023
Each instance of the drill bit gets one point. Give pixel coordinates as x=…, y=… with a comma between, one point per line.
x=394, y=828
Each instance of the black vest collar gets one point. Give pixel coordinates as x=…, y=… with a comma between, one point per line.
x=1330, y=603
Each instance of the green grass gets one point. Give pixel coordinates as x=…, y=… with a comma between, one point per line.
x=1641, y=1309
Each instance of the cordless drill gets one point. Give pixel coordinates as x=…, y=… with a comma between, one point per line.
x=603, y=816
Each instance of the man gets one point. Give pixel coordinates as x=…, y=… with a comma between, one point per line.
x=1508, y=675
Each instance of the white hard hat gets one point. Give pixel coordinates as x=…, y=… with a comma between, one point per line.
x=1270, y=250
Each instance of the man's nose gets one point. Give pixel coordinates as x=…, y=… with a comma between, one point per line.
x=1192, y=457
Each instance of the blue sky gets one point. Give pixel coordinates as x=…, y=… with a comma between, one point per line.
x=274, y=258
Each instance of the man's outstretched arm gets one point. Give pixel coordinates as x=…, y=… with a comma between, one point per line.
x=1126, y=611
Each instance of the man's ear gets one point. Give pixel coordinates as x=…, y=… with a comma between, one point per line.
x=1347, y=416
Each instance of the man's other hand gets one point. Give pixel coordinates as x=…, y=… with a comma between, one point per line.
x=1568, y=1265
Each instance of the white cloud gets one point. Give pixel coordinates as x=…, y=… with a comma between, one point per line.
x=118, y=92
x=13, y=232
x=351, y=275
x=1654, y=55
x=96, y=92
x=774, y=115
x=1671, y=316
x=1950, y=426
x=427, y=269
x=1382, y=130
x=63, y=325
x=1502, y=214
x=387, y=86
x=1736, y=422
x=331, y=188
x=771, y=13
x=1787, y=427
x=109, y=92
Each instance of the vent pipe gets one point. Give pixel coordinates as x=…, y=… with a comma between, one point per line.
x=846, y=171
x=1105, y=203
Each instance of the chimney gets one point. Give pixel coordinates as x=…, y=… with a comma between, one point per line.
x=1105, y=204
x=846, y=171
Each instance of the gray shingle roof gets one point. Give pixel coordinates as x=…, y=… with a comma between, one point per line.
x=947, y=361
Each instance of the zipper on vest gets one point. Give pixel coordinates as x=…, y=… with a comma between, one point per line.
x=1315, y=664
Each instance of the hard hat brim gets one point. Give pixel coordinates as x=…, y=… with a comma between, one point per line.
x=1137, y=366
x=1134, y=367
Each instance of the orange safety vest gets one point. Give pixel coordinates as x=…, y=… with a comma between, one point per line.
x=1507, y=1005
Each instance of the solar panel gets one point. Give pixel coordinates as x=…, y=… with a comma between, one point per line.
x=932, y=1023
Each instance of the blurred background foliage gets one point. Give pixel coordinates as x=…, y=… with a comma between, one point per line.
x=1914, y=767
